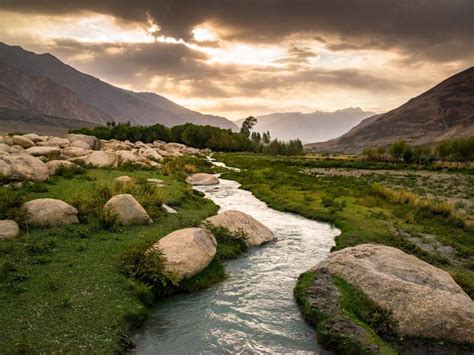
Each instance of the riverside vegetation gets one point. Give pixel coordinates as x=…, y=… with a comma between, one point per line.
x=422, y=210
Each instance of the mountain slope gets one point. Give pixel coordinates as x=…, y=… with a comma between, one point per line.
x=47, y=97
x=443, y=112
x=122, y=105
x=310, y=127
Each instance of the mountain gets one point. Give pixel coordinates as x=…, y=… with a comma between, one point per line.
x=443, y=112
x=309, y=127
x=81, y=96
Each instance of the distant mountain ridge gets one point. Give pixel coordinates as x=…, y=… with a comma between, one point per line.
x=443, y=112
x=310, y=127
x=92, y=100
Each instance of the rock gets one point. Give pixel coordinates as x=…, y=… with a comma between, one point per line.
x=187, y=251
x=168, y=209
x=23, y=142
x=235, y=221
x=127, y=156
x=202, y=179
x=16, y=149
x=55, y=165
x=8, y=229
x=156, y=182
x=8, y=140
x=33, y=137
x=100, y=159
x=92, y=141
x=150, y=153
x=49, y=152
x=127, y=209
x=71, y=152
x=424, y=300
x=123, y=180
x=23, y=167
x=4, y=148
x=60, y=142
x=80, y=144
x=47, y=212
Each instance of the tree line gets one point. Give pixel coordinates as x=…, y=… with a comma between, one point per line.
x=456, y=150
x=215, y=138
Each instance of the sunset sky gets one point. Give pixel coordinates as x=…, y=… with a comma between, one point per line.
x=250, y=57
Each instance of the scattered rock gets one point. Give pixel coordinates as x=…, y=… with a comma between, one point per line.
x=50, y=212
x=23, y=142
x=424, y=300
x=92, y=141
x=127, y=209
x=202, y=179
x=123, y=180
x=187, y=251
x=55, y=165
x=8, y=229
x=49, y=152
x=168, y=209
x=235, y=221
x=100, y=159
x=23, y=167
x=156, y=182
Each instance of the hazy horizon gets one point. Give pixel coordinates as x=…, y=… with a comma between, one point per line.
x=259, y=57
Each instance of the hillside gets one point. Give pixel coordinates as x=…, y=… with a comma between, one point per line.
x=443, y=112
x=310, y=127
x=119, y=104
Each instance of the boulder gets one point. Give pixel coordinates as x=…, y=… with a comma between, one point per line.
x=23, y=142
x=123, y=180
x=156, y=182
x=187, y=251
x=235, y=221
x=8, y=229
x=150, y=153
x=71, y=153
x=424, y=300
x=49, y=152
x=33, y=137
x=16, y=149
x=23, y=167
x=4, y=148
x=46, y=212
x=60, y=142
x=202, y=179
x=100, y=159
x=127, y=156
x=127, y=209
x=92, y=141
x=55, y=165
x=80, y=144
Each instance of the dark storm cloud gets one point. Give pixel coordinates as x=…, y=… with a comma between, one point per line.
x=422, y=27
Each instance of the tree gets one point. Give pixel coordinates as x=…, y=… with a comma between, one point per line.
x=397, y=149
x=266, y=138
x=247, y=125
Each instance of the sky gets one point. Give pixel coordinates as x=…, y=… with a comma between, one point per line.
x=252, y=57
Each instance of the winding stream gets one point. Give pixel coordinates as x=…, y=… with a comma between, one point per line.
x=253, y=311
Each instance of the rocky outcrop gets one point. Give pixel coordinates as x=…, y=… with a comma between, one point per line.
x=202, y=179
x=127, y=210
x=91, y=141
x=55, y=165
x=23, y=142
x=255, y=233
x=9, y=229
x=23, y=167
x=424, y=301
x=46, y=212
x=72, y=152
x=49, y=152
x=100, y=159
x=187, y=251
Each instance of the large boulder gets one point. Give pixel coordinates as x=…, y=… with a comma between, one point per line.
x=424, y=300
x=150, y=153
x=235, y=221
x=33, y=137
x=100, y=159
x=8, y=229
x=72, y=152
x=80, y=144
x=23, y=167
x=187, y=251
x=202, y=179
x=4, y=148
x=91, y=141
x=23, y=142
x=59, y=142
x=49, y=152
x=46, y=212
x=55, y=165
x=127, y=209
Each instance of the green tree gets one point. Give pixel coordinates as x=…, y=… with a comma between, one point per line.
x=397, y=149
x=247, y=125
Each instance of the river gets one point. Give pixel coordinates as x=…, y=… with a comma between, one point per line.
x=253, y=310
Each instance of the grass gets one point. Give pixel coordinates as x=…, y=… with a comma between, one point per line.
x=67, y=289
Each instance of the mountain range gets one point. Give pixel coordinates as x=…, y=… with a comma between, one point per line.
x=40, y=84
x=310, y=127
x=443, y=112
